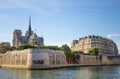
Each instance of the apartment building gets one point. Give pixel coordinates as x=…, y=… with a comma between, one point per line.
x=105, y=46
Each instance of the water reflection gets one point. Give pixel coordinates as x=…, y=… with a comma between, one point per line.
x=106, y=72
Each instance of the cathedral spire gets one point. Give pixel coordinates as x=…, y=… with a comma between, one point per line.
x=29, y=31
x=29, y=28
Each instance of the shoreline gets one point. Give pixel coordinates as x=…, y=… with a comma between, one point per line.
x=71, y=66
x=58, y=66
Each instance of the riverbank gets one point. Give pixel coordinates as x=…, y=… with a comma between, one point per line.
x=42, y=59
x=59, y=66
x=68, y=66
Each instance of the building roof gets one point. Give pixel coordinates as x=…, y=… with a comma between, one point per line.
x=33, y=36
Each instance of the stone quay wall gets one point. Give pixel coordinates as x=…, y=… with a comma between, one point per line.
x=99, y=60
x=15, y=59
x=50, y=59
x=32, y=58
x=89, y=60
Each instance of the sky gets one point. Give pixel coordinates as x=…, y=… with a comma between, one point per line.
x=61, y=21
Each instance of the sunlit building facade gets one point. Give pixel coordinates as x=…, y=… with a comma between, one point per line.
x=105, y=46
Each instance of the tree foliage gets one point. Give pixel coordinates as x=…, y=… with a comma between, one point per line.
x=25, y=46
x=4, y=49
x=66, y=48
x=78, y=52
x=50, y=47
x=69, y=55
x=94, y=51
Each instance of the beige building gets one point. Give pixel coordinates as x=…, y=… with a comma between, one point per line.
x=106, y=46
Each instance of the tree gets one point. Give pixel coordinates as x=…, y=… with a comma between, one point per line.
x=94, y=51
x=69, y=56
x=66, y=48
x=4, y=49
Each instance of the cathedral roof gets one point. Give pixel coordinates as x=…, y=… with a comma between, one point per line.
x=22, y=38
x=33, y=36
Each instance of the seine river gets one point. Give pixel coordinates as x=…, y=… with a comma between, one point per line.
x=104, y=72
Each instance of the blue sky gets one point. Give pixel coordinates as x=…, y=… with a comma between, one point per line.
x=61, y=21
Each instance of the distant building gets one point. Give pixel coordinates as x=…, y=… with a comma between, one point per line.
x=4, y=47
x=104, y=45
x=5, y=44
x=29, y=38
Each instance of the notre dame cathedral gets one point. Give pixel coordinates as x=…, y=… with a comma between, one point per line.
x=29, y=38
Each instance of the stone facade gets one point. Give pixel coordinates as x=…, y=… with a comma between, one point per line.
x=105, y=45
x=29, y=38
x=98, y=60
x=32, y=58
x=89, y=60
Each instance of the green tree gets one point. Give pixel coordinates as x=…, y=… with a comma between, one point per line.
x=93, y=51
x=68, y=53
x=66, y=48
x=4, y=49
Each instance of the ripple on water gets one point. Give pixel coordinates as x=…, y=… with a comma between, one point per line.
x=103, y=72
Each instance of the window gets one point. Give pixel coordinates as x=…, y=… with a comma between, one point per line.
x=38, y=61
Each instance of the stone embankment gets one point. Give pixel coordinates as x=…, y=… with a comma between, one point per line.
x=50, y=59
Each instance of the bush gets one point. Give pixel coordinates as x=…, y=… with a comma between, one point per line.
x=25, y=46
x=50, y=47
x=78, y=52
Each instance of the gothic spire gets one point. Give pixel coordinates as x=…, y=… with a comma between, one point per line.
x=29, y=28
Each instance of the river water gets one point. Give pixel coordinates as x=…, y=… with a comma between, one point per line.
x=101, y=72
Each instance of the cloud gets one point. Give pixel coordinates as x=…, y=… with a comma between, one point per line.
x=8, y=4
x=47, y=7
x=44, y=7
x=113, y=35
